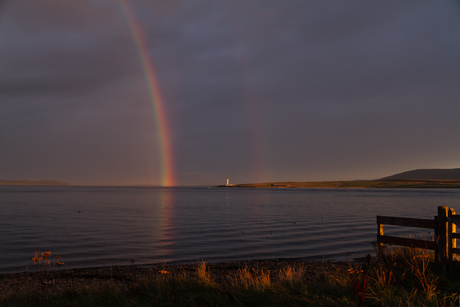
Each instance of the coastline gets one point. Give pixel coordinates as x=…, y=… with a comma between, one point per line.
x=59, y=280
x=386, y=281
x=33, y=183
x=358, y=184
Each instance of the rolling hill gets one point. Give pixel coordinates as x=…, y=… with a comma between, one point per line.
x=427, y=174
x=421, y=178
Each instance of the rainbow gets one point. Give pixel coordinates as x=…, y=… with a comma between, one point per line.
x=157, y=102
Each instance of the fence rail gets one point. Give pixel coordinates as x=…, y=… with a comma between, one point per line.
x=445, y=230
x=431, y=245
x=405, y=221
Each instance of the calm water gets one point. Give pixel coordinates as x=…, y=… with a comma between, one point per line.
x=103, y=226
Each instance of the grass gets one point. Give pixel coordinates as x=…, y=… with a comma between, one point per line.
x=400, y=277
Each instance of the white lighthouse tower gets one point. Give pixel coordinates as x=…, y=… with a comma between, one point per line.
x=227, y=182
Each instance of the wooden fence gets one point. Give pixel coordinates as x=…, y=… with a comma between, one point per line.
x=443, y=226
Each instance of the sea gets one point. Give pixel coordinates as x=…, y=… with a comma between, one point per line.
x=123, y=226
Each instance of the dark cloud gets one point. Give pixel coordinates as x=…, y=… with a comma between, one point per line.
x=258, y=91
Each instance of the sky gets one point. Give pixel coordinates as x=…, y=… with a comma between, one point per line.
x=256, y=91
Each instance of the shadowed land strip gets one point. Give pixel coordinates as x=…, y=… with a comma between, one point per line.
x=358, y=184
x=31, y=182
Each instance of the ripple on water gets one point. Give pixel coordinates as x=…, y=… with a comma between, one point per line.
x=102, y=226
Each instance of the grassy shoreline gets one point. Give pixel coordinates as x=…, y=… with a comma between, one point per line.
x=373, y=184
x=405, y=277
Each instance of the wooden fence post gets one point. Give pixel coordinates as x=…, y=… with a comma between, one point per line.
x=451, y=242
x=436, y=236
x=379, y=233
x=441, y=235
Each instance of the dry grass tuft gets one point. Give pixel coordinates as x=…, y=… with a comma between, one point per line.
x=291, y=275
x=202, y=274
x=250, y=279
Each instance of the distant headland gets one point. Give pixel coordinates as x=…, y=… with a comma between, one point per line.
x=421, y=178
x=32, y=182
x=427, y=174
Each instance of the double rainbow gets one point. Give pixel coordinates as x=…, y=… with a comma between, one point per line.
x=156, y=100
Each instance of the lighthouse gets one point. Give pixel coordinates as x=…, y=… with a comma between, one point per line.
x=227, y=185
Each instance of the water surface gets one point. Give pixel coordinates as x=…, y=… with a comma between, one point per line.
x=103, y=226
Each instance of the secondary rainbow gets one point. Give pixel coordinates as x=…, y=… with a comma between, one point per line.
x=156, y=100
